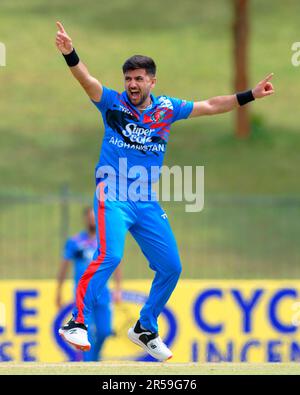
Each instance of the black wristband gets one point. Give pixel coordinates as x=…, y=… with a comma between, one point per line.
x=72, y=58
x=245, y=97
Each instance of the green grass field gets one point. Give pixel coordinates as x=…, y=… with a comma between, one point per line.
x=127, y=368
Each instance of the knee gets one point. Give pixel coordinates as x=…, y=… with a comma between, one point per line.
x=175, y=264
x=115, y=259
x=111, y=259
x=177, y=268
x=173, y=267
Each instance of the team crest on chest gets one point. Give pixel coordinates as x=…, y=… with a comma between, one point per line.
x=158, y=116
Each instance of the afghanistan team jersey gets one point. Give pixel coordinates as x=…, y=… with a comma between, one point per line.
x=134, y=142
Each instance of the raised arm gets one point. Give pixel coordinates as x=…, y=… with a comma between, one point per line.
x=221, y=104
x=90, y=84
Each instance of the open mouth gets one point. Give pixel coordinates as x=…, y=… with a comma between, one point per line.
x=135, y=95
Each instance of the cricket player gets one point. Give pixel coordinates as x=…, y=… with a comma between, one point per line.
x=137, y=126
x=79, y=251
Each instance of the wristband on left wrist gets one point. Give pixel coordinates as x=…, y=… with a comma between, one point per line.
x=245, y=97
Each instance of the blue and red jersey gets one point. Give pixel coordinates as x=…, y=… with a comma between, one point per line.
x=140, y=137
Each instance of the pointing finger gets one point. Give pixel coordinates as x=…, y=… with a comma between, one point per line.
x=60, y=27
x=270, y=76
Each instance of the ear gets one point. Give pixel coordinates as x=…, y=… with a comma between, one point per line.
x=153, y=82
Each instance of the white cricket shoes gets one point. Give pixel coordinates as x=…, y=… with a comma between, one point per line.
x=150, y=342
x=75, y=334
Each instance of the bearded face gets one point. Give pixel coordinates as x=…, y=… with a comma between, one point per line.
x=138, y=85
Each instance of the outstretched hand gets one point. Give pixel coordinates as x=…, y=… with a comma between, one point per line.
x=263, y=88
x=63, y=41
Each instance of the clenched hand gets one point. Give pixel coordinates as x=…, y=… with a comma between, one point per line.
x=263, y=88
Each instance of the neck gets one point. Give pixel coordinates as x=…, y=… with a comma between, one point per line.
x=145, y=104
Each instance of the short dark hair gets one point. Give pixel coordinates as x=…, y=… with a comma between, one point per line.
x=140, y=62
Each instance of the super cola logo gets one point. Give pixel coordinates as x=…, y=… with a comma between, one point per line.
x=137, y=134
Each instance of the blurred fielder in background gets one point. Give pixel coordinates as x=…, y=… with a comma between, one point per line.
x=137, y=126
x=79, y=251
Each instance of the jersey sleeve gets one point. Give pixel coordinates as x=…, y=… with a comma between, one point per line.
x=69, y=250
x=107, y=98
x=181, y=108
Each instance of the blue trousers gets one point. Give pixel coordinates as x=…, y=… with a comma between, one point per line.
x=99, y=329
x=149, y=226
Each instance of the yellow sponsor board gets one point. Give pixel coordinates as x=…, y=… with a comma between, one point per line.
x=205, y=321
